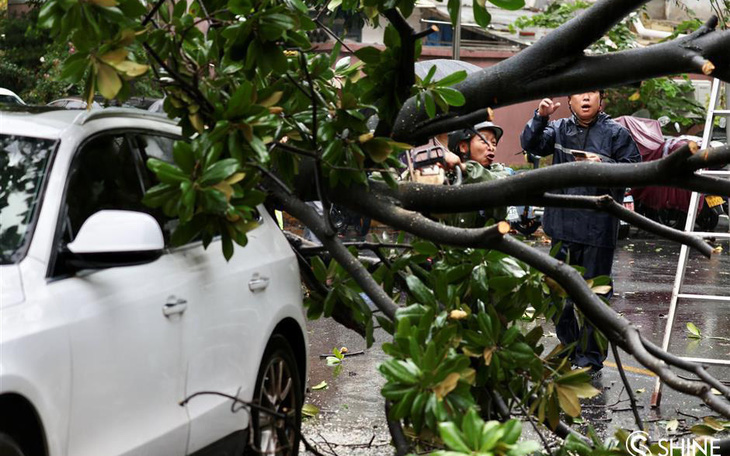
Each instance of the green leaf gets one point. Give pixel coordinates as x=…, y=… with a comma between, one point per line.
x=400, y=371
x=472, y=428
x=219, y=171
x=512, y=431
x=75, y=67
x=329, y=303
x=184, y=158
x=420, y=291
x=511, y=5
x=453, y=78
x=452, y=96
x=310, y=410
x=454, y=7
x=429, y=75
x=694, y=331
x=481, y=15
x=430, y=104
x=452, y=437
x=425, y=248
x=369, y=55
x=166, y=172
x=320, y=386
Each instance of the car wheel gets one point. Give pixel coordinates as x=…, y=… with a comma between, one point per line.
x=278, y=388
x=9, y=447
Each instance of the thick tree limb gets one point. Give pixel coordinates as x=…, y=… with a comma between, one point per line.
x=618, y=329
x=525, y=187
x=556, y=65
x=314, y=221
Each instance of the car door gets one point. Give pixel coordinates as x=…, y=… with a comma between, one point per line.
x=227, y=323
x=128, y=368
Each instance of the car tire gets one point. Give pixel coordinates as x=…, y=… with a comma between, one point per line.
x=278, y=388
x=9, y=447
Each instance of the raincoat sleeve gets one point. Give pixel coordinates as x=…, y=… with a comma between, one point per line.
x=624, y=149
x=538, y=137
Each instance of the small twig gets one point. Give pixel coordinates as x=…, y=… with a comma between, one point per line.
x=293, y=149
x=346, y=355
x=687, y=415
x=256, y=407
x=327, y=443
x=358, y=245
x=152, y=12
x=627, y=386
x=333, y=35
x=273, y=177
x=724, y=382
x=529, y=418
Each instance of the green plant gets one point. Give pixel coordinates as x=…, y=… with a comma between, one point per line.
x=554, y=16
x=661, y=97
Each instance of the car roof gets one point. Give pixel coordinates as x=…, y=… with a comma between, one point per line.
x=51, y=122
x=6, y=92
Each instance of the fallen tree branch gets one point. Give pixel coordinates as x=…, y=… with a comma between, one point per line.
x=615, y=327
x=557, y=65
x=314, y=222
x=524, y=188
x=607, y=204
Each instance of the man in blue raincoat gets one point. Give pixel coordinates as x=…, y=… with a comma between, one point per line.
x=587, y=238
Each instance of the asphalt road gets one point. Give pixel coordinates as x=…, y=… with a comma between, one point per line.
x=351, y=411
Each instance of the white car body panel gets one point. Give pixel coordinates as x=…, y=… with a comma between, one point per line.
x=94, y=354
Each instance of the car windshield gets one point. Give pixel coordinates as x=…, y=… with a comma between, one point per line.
x=9, y=99
x=23, y=166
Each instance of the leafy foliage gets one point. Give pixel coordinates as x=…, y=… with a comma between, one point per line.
x=662, y=97
x=555, y=15
x=29, y=58
x=253, y=100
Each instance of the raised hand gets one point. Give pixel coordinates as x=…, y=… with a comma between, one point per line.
x=547, y=107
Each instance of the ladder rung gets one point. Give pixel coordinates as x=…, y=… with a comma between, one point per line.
x=704, y=297
x=717, y=172
x=722, y=112
x=725, y=362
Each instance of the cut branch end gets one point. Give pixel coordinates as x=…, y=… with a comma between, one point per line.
x=693, y=147
x=503, y=227
x=708, y=68
x=490, y=114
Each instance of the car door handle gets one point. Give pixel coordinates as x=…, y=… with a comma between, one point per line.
x=258, y=283
x=174, y=306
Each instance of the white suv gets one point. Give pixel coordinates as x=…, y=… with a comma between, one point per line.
x=105, y=329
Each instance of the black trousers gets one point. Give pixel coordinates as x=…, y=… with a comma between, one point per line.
x=597, y=261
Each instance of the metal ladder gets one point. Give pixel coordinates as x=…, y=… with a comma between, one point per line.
x=712, y=112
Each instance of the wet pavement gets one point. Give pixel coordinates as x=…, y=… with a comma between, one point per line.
x=351, y=418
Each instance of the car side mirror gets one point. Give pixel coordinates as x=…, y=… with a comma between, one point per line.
x=112, y=238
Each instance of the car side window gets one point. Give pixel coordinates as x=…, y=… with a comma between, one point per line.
x=105, y=174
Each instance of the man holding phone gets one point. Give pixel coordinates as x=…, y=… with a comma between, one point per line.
x=587, y=238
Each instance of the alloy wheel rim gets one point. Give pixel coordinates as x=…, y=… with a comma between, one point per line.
x=277, y=436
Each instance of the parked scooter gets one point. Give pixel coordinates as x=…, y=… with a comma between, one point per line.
x=668, y=206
